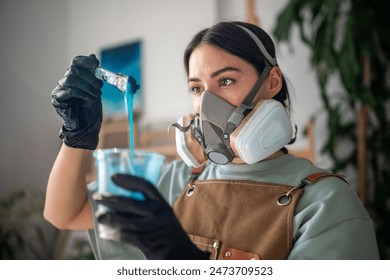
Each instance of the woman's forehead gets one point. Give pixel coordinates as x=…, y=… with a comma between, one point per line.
x=207, y=59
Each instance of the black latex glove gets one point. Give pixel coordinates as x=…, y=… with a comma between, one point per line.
x=77, y=99
x=149, y=225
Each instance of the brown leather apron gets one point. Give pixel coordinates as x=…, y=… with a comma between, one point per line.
x=235, y=219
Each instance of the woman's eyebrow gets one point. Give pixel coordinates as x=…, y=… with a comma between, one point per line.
x=216, y=73
x=222, y=70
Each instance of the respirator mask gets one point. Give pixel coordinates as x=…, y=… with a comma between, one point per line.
x=222, y=131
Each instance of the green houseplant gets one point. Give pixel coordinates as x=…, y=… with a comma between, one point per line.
x=21, y=233
x=24, y=234
x=350, y=39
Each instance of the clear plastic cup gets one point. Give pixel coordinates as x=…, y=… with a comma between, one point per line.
x=143, y=164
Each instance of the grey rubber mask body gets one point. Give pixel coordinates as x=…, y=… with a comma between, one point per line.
x=219, y=118
x=214, y=116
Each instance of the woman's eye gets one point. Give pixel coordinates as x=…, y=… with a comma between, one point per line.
x=195, y=90
x=223, y=82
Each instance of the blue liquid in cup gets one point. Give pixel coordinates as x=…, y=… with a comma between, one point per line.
x=138, y=163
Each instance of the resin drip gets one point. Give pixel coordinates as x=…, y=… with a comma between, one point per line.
x=128, y=86
x=128, y=99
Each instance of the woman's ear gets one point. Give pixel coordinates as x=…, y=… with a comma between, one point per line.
x=274, y=81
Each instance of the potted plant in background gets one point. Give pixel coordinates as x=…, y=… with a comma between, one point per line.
x=350, y=39
x=25, y=235
x=22, y=234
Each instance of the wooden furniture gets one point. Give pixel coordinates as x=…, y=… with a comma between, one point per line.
x=362, y=136
x=251, y=12
x=159, y=141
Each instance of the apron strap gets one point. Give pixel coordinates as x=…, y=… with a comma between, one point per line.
x=315, y=177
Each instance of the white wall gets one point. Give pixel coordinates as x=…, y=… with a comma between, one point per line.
x=34, y=36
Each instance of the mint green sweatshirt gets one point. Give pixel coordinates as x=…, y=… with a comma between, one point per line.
x=329, y=223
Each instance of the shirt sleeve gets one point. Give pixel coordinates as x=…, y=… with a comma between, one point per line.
x=331, y=223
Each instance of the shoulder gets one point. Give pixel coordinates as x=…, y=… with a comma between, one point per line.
x=330, y=191
x=291, y=170
x=330, y=213
x=330, y=195
x=330, y=206
x=335, y=195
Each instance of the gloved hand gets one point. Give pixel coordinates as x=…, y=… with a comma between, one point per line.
x=149, y=225
x=77, y=99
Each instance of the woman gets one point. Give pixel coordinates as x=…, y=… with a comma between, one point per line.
x=249, y=199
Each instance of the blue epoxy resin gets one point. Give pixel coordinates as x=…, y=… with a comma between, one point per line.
x=128, y=86
x=128, y=161
x=128, y=99
x=139, y=163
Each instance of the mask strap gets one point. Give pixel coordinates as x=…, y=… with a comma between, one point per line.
x=251, y=95
x=239, y=113
x=271, y=60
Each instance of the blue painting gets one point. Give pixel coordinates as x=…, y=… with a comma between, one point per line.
x=125, y=59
